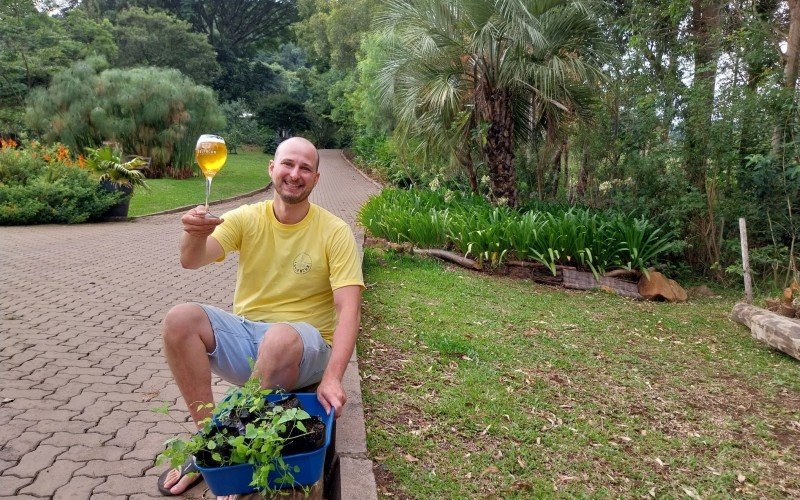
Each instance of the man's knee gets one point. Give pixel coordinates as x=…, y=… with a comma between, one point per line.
x=281, y=345
x=184, y=322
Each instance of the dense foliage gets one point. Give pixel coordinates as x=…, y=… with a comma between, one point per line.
x=550, y=234
x=151, y=112
x=43, y=185
x=176, y=45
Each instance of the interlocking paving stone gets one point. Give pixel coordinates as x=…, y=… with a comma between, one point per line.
x=84, y=453
x=122, y=485
x=51, y=478
x=80, y=310
x=11, y=484
x=88, y=439
x=6, y=464
x=35, y=460
x=76, y=426
x=103, y=468
x=78, y=487
x=20, y=497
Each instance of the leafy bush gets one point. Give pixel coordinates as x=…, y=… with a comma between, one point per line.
x=151, y=112
x=241, y=126
x=552, y=235
x=33, y=191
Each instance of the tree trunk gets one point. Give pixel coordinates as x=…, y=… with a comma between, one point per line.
x=705, y=22
x=789, y=78
x=499, y=148
x=700, y=106
x=565, y=156
x=583, y=176
x=464, y=156
x=777, y=331
x=556, y=163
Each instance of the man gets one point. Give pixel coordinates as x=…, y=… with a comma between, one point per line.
x=297, y=299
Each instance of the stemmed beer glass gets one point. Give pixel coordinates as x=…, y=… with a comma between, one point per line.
x=210, y=153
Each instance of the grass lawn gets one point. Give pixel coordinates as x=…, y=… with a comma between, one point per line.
x=482, y=386
x=243, y=172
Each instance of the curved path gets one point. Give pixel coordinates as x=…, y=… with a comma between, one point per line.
x=80, y=349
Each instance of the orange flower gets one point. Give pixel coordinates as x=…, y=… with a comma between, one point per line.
x=81, y=161
x=62, y=153
x=8, y=143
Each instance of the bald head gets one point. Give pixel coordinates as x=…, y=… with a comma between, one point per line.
x=298, y=142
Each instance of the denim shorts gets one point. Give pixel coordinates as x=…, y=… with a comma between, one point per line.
x=238, y=339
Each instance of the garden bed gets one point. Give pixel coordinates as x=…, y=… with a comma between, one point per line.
x=568, y=277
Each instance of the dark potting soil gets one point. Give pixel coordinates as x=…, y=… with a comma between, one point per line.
x=299, y=441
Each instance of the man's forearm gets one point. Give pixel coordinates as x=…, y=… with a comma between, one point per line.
x=193, y=251
x=344, y=341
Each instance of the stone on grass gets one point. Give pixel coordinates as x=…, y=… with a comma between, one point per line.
x=659, y=287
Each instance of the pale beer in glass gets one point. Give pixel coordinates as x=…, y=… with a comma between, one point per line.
x=210, y=153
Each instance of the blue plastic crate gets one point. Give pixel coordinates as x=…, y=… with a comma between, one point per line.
x=235, y=479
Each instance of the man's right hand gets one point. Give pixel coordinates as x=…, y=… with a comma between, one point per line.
x=197, y=225
x=197, y=249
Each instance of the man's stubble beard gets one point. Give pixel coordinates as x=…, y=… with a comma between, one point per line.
x=293, y=200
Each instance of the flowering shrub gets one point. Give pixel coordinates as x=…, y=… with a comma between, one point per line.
x=44, y=184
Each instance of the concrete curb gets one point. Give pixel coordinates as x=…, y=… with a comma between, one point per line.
x=363, y=174
x=355, y=478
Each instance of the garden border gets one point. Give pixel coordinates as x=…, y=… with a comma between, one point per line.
x=363, y=174
x=565, y=277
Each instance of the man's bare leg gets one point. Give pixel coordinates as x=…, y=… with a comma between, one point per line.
x=188, y=338
x=279, y=356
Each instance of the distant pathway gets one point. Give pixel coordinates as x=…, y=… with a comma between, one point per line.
x=80, y=348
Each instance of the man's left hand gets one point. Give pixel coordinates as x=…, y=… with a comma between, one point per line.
x=330, y=394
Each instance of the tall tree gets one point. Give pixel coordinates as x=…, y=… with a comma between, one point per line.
x=239, y=26
x=504, y=63
x=142, y=35
x=331, y=32
x=790, y=71
x=35, y=45
x=705, y=25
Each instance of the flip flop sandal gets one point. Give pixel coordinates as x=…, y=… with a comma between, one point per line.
x=187, y=467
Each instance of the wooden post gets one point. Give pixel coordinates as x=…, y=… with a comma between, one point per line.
x=748, y=289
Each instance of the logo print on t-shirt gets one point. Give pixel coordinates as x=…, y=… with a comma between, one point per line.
x=302, y=263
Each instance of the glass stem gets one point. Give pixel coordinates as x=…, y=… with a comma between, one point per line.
x=208, y=191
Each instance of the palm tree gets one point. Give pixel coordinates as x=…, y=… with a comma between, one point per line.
x=503, y=68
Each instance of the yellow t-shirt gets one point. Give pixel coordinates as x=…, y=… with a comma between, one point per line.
x=288, y=272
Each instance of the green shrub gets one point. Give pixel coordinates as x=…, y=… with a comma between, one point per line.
x=19, y=169
x=151, y=112
x=35, y=192
x=550, y=234
x=241, y=126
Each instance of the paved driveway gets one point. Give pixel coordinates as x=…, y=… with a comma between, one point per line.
x=80, y=348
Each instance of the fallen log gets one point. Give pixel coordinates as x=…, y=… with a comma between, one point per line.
x=773, y=329
x=535, y=265
x=624, y=273
x=581, y=280
x=450, y=257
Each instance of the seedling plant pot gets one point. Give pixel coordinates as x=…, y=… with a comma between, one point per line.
x=236, y=479
x=120, y=210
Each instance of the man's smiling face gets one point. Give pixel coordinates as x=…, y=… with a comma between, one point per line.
x=294, y=170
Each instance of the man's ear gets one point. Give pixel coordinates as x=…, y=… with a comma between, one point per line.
x=270, y=166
